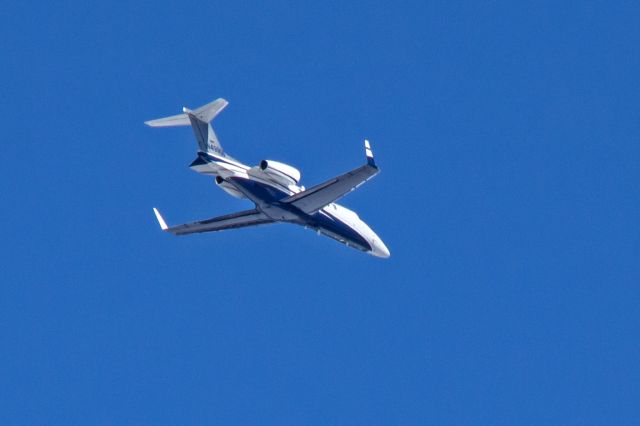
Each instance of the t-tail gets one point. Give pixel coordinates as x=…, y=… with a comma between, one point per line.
x=200, y=120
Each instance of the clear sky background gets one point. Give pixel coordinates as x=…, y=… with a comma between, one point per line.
x=508, y=134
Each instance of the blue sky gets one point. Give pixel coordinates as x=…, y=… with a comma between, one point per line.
x=508, y=137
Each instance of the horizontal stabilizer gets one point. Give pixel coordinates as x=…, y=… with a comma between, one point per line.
x=205, y=114
x=209, y=111
x=200, y=120
x=174, y=120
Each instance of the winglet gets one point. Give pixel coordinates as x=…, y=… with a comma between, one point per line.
x=367, y=150
x=161, y=221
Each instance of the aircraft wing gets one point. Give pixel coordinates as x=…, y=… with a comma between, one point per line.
x=315, y=198
x=234, y=220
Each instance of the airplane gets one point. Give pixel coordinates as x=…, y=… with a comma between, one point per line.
x=273, y=188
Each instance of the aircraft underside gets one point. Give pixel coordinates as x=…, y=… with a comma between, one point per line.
x=273, y=188
x=267, y=200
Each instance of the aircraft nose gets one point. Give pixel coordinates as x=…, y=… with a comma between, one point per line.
x=380, y=250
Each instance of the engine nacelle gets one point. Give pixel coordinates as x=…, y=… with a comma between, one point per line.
x=280, y=172
x=230, y=189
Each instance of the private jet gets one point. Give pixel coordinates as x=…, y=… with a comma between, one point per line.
x=273, y=188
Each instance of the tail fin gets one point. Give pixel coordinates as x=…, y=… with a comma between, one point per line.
x=200, y=120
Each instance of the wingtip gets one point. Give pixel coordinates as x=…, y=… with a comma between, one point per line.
x=369, y=153
x=163, y=224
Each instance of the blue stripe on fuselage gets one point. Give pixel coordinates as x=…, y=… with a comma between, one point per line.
x=261, y=191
